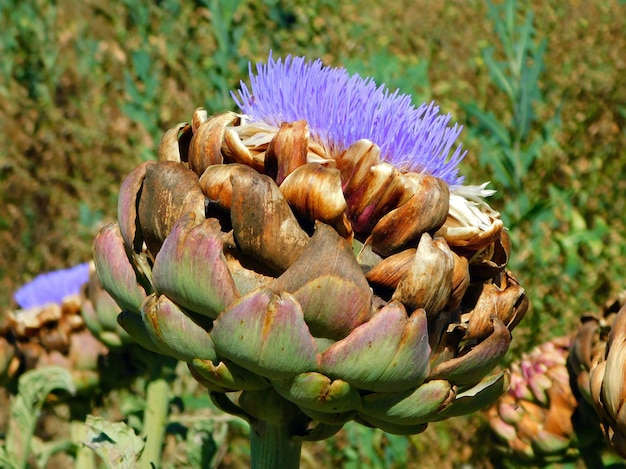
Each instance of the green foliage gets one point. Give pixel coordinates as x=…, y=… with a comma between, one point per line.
x=33, y=388
x=509, y=149
x=114, y=442
x=552, y=237
x=369, y=448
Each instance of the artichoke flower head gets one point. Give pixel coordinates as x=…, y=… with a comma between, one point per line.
x=47, y=329
x=319, y=253
x=598, y=369
x=534, y=418
x=52, y=287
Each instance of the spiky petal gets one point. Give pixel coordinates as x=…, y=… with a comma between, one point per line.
x=341, y=108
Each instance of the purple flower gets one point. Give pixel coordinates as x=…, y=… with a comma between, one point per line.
x=341, y=109
x=52, y=287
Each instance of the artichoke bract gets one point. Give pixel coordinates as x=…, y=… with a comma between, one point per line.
x=597, y=366
x=318, y=253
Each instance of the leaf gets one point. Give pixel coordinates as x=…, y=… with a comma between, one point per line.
x=115, y=442
x=490, y=122
x=496, y=71
x=44, y=450
x=33, y=388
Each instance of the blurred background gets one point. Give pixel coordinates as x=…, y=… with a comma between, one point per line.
x=88, y=87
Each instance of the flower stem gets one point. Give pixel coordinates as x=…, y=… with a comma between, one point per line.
x=274, y=422
x=272, y=445
x=155, y=416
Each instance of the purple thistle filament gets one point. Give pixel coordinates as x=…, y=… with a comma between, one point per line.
x=52, y=287
x=341, y=108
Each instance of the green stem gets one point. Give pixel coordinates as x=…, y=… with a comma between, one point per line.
x=592, y=459
x=154, y=422
x=275, y=427
x=272, y=446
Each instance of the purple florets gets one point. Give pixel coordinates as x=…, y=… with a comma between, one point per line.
x=341, y=109
x=52, y=287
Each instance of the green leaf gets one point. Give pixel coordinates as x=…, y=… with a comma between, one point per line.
x=43, y=450
x=490, y=122
x=115, y=442
x=33, y=388
x=496, y=71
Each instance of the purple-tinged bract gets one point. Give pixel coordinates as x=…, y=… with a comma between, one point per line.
x=341, y=108
x=52, y=287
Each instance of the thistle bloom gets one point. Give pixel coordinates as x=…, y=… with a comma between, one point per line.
x=52, y=287
x=311, y=255
x=341, y=109
x=50, y=330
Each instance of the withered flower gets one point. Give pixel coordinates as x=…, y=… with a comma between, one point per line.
x=315, y=260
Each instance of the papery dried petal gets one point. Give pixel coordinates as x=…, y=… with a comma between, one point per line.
x=263, y=224
x=470, y=367
x=389, y=271
x=169, y=192
x=354, y=164
x=170, y=145
x=428, y=282
x=127, y=206
x=371, y=188
x=314, y=192
x=199, y=116
x=469, y=226
x=507, y=301
x=614, y=388
x=460, y=282
x=216, y=183
x=238, y=152
x=287, y=151
x=205, y=148
x=425, y=211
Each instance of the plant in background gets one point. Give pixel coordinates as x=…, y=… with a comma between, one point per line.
x=518, y=142
x=511, y=148
x=50, y=330
x=69, y=321
x=538, y=419
x=316, y=260
x=34, y=387
x=597, y=365
x=46, y=347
